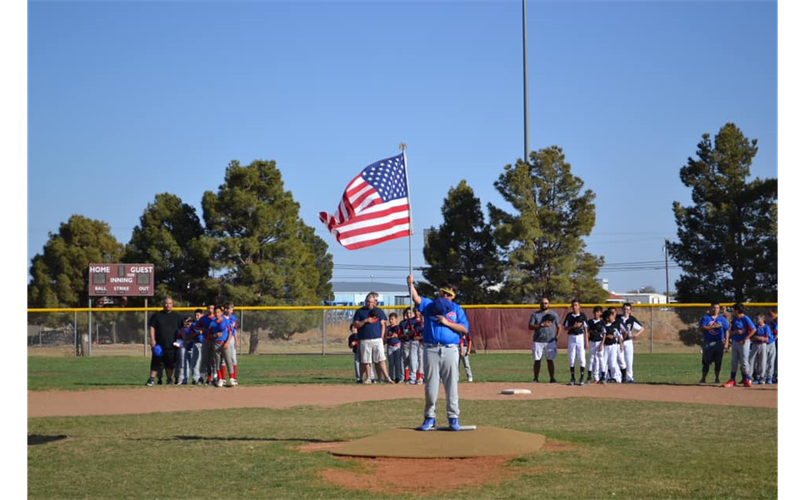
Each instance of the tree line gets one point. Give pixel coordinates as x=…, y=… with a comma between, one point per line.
x=254, y=249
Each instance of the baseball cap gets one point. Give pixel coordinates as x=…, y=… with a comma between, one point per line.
x=442, y=306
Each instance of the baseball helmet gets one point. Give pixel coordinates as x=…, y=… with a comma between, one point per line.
x=157, y=350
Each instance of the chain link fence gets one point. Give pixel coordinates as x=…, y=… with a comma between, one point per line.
x=324, y=329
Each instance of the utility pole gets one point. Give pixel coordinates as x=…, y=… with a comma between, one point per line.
x=667, y=280
x=525, y=90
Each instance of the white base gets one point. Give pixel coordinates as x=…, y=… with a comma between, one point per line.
x=515, y=391
x=460, y=427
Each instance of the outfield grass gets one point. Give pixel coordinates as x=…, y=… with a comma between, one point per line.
x=619, y=449
x=71, y=373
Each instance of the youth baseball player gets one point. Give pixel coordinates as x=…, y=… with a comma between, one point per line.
x=757, y=351
x=229, y=314
x=771, y=351
x=714, y=341
x=595, y=331
x=630, y=329
x=575, y=326
x=464, y=349
x=612, y=346
x=741, y=331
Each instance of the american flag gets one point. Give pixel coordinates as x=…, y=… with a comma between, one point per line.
x=374, y=207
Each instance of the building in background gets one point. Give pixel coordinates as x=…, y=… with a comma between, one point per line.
x=354, y=293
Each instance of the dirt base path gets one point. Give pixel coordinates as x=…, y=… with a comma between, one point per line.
x=184, y=398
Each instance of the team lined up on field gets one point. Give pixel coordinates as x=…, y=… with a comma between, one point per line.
x=203, y=349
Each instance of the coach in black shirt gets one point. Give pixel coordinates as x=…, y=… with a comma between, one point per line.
x=162, y=328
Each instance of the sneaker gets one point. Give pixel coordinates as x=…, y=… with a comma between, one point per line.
x=717, y=382
x=412, y=382
x=220, y=383
x=553, y=381
x=603, y=381
x=731, y=383
x=389, y=381
x=453, y=424
x=195, y=382
x=760, y=381
x=630, y=381
x=597, y=382
x=469, y=379
x=358, y=381
x=747, y=383
x=170, y=381
x=233, y=382
x=702, y=381
x=572, y=382
x=159, y=382
x=581, y=382
x=419, y=382
x=534, y=380
x=428, y=424
x=768, y=381
x=150, y=382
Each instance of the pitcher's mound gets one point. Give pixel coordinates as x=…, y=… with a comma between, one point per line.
x=408, y=443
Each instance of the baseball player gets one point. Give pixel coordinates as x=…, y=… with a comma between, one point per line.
x=741, y=331
x=544, y=325
x=773, y=324
x=182, y=344
x=612, y=346
x=464, y=349
x=221, y=333
x=407, y=327
x=630, y=329
x=595, y=332
x=195, y=345
x=771, y=350
x=757, y=351
x=229, y=314
x=393, y=346
x=207, y=346
x=575, y=325
x=713, y=327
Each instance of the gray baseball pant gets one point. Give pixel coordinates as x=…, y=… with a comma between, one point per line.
x=757, y=360
x=771, y=358
x=740, y=355
x=441, y=364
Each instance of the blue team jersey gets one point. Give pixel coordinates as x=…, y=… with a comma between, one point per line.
x=370, y=330
x=393, y=334
x=233, y=324
x=435, y=333
x=716, y=333
x=762, y=331
x=771, y=333
x=201, y=328
x=741, y=327
x=221, y=327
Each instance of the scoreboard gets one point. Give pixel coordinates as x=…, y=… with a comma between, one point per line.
x=127, y=280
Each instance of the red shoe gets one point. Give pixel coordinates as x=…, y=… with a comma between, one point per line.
x=731, y=383
x=747, y=383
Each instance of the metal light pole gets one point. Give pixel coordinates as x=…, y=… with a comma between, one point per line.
x=525, y=89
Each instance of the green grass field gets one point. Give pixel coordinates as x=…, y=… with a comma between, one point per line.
x=623, y=449
x=620, y=449
x=70, y=373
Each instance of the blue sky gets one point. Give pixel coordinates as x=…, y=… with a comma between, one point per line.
x=129, y=99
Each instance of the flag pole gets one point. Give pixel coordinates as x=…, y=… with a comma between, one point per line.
x=403, y=146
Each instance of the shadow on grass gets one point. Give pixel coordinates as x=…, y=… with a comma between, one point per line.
x=110, y=384
x=276, y=440
x=34, y=439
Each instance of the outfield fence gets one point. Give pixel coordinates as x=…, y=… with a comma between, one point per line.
x=324, y=329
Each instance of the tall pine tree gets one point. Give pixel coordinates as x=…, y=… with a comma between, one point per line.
x=544, y=234
x=727, y=246
x=60, y=274
x=263, y=253
x=462, y=250
x=170, y=236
